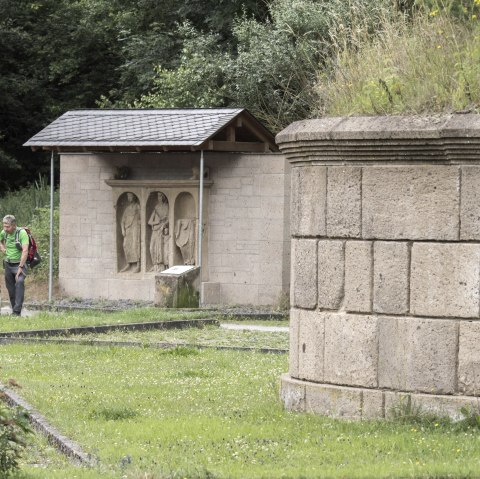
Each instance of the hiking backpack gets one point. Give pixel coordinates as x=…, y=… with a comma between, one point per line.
x=33, y=257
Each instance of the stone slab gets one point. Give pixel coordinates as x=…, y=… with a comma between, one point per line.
x=445, y=280
x=333, y=401
x=344, y=202
x=331, y=273
x=292, y=393
x=293, y=342
x=358, y=276
x=309, y=188
x=411, y=202
x=470, y=204
x=311, y=339
x=351, y=349
x=391, y=277
x=417, y=354
x=469, y=358
x=304, y=273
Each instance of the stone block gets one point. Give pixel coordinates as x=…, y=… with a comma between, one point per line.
x=417, y=354
x=445, y=280
x=292, y=393
x=351, y=349
x=333, y=401
x=331, y=273
x=469, y=358
x=294, y=349
x=344, y=201
x=358, y=276
x=239, y=293
x=411, y=202
x=309, y=188
x=210, y=293
x=470, y=203
x=440, y=405
x=170, y=288
x=373, y=404
x=391, y=277
x=311, y=339
x=304, y=273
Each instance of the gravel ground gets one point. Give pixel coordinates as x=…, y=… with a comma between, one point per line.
x=123, y=304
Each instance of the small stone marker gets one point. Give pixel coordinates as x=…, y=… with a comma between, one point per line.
x=174, y=285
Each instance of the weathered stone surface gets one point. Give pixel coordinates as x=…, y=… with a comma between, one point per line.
x=331, y=273
x=391, y=277
x=170, y=287
x=358, y=276
x=439, y=405
x=311, y=339
x=211, y=293
x=294, y=349
x=469, y=358
x=414, y=202
x=351, y=349
x=373, y=406
x=309, y=188
x=304, y=273
x=470, y=209
x=292, y=393
x=417, y=354
x=344, y=201
x=445, y=280
x=334, y=401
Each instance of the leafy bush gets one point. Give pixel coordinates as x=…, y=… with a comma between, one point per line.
x=14, y=428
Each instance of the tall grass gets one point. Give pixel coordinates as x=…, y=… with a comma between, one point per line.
x=423, y=64
x=23, y=203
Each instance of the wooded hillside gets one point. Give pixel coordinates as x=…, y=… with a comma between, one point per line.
x=282, y=59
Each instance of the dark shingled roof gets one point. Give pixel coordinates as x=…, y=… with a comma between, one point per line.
x=139, y=128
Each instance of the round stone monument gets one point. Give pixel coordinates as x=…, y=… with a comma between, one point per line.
x=385, y=282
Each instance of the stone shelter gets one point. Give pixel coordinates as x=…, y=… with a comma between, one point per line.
x=385, y=265
x=131, y=186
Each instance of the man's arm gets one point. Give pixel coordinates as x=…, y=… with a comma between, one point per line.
x=23, y=260
x=2, y=242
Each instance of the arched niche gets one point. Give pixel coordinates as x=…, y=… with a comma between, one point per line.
x=185, y=229
x=158, y=232
x=128, y=233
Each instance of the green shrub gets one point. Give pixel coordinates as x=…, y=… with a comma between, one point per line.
x=14, y=428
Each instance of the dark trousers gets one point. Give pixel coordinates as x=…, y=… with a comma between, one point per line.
x=15, y=288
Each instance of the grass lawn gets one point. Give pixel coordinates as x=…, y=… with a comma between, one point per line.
x=68, y=319
x=213, y=414
x=206, y=336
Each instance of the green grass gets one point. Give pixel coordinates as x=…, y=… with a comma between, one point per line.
x=207, y=336
x=216, y=414
x=67, y=319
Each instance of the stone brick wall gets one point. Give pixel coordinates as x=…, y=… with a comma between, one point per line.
x=247, y=237
x=385, y=264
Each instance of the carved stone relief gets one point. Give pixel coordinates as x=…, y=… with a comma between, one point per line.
x=185, y=228
x=130, y=230
x=159, y=235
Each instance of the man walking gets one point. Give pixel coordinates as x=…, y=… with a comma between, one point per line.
x=15, y=262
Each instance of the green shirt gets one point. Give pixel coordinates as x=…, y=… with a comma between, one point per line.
x=13, y=254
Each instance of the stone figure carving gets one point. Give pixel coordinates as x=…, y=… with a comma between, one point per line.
x=160, y=234
x=185, y=239
x=130, y=227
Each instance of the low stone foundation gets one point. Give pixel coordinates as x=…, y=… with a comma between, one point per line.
x=385, y=282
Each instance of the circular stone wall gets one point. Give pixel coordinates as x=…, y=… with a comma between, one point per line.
x=385, y=285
